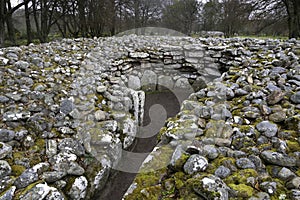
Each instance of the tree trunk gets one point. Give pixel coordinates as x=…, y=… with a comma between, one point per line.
x=2, y=23
x=113, y=17
x=293, y=11
x=10, y=25
x=36, y=18
x=82, y=18
x=136, y=15
x=295, y=20
x=44, y=21
x=28, y=25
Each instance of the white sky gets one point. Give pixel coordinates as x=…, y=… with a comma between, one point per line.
x=14, y=2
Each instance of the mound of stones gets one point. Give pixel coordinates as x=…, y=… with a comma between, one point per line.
x=238, y=138
x=70, y=108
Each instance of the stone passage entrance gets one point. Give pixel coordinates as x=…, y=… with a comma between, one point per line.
x=142, y=89
x=159, y=105
x=167, y=76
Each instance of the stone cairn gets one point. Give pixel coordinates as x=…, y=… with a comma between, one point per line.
x=69, y=108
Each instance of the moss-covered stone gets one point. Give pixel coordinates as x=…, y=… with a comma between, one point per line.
x=241, y=176
x=17, y=170
x=181, y=161
x=23, y=192
x=39, y=146
x=243, y=191
x=179, y=178
x=293, y=145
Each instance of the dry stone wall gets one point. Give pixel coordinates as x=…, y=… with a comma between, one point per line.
x=70, y=109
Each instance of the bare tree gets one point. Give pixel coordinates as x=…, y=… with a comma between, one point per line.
x=182, y=15
x=6, y=11
x=276, y=10
x=293, y=11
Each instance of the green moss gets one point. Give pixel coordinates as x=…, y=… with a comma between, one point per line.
x=245, y=128
x=149, y=178
x=35, y=159
x=17, y=170
x=293, y=145
x=23, y=192
x=219, y=161
x=18, y=155
x=181, y=161
x=179, y=178
x=162, y=131
x=39, y=145
x=280, y=189
x=70, y=183
x=241, y=176
x=243, y=191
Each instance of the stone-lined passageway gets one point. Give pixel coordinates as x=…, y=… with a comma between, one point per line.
x=70, y=110
x=120, y=181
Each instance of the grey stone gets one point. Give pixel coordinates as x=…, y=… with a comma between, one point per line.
x=269, y=187
x=3, y=61
x=275, y=97
x=278, y=159
x=210, y=151
x=61, y=162
x=23, y=65
x=149, y=80
x=3, y=99
x=211, y=185
x=294, y=183
x=138, y=55
x=8, y=194
x=267, y=128
x=203, y=111
x=261, y=196
x=15, y=116
x=177, y=154
x=134, y=82
x=285, y=174
x=222, y=172
x=5, y=169
x=295, y=194
x=218, y=129
x=295, y=98
x=5, y=150
x=195, y=163
x=66, y=130
x=183, y=83
x=31, y=175
x=66, y=106
x=6, y=135
x=75, y=169
x=279, y=116
x=245, y=163
x=101, y=89
x=55, y=195
x=51, y=177
x=27, y=177
x=14, y=96
x=39, y=191
x=100, y=115
x=165, y=82
x=51, y=148
x=78, y=189
x=70, y=145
